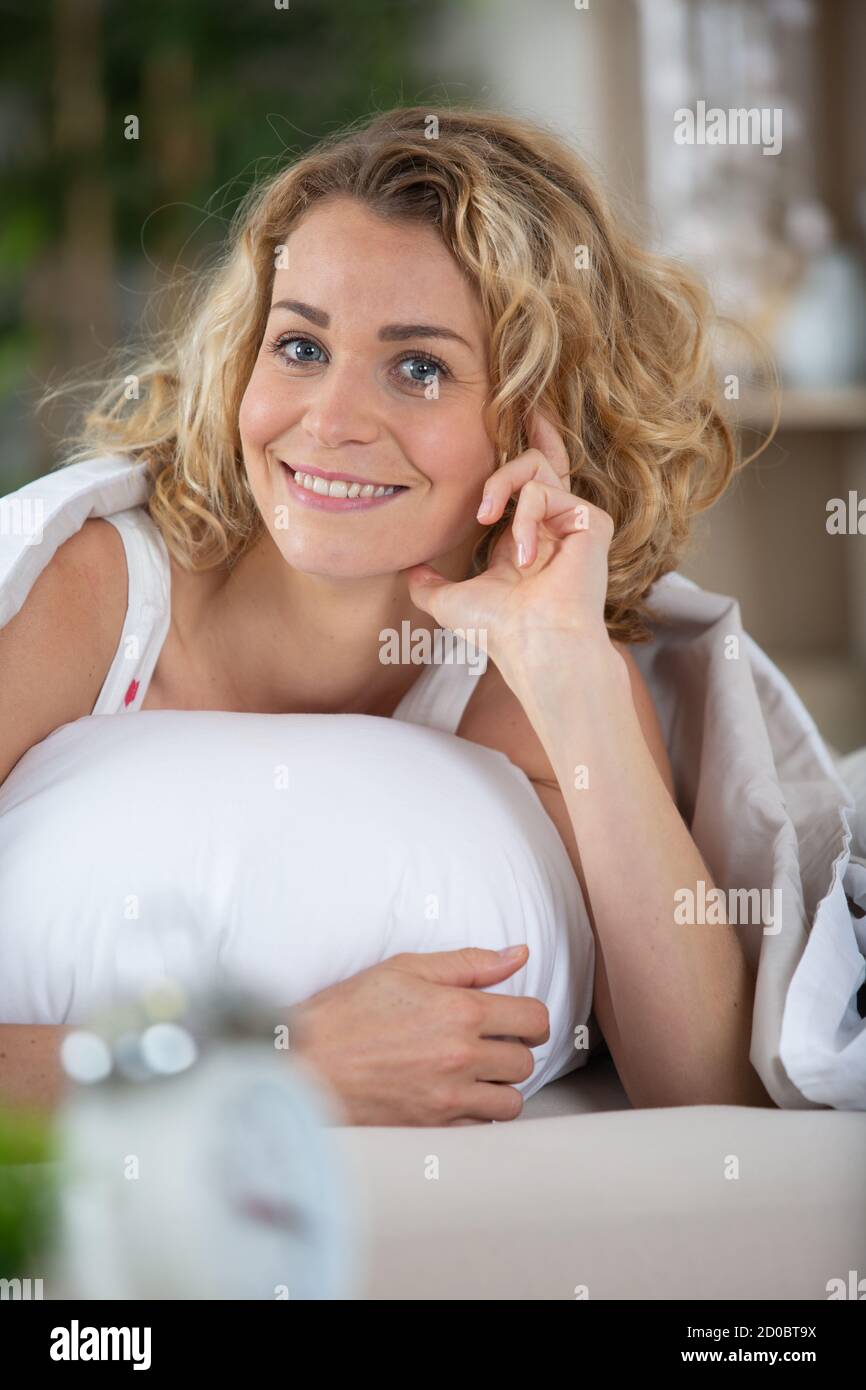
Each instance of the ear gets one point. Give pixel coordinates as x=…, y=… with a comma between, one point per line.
x=648, y=718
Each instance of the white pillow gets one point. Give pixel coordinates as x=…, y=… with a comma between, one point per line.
x=287, y=851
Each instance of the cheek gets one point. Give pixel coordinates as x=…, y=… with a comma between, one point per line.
x=455, y=449
x=260, y=414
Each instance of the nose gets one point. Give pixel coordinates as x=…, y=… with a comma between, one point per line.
x=340, y=410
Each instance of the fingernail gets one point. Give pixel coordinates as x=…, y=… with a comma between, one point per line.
x=486, y=507
x=510, y=951
x=521, y=554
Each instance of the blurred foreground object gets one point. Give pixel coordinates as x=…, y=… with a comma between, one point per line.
x=28, y=1212
x=197, y=1162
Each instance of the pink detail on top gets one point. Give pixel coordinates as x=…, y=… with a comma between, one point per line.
x=131, y=693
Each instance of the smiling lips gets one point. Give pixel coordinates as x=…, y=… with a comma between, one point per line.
x=338, y=492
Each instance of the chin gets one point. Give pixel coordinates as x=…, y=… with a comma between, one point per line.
x=331, y=563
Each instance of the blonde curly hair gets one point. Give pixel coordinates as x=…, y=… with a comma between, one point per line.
x=611, y=341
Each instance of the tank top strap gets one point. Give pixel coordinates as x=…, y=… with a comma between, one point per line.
x=443, y=690
x=148, y=613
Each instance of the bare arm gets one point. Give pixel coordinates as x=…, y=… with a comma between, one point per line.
x=416, y=1040
x=675, y=1004
x=30, y=1070
x=54, y=655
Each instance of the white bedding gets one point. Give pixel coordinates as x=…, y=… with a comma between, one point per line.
x=768, y=809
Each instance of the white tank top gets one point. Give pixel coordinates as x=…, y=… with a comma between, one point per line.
x=437, y=698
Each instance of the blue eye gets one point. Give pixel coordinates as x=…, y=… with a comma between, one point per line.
x=433, y=367
x=280, y=344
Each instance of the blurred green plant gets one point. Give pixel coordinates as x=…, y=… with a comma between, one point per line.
x=28, y=1190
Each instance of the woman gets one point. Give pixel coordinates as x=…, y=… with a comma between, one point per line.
x=434, y=382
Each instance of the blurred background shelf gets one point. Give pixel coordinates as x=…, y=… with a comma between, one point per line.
x=836, y=408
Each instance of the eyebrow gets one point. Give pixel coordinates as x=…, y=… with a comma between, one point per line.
x=391, y=333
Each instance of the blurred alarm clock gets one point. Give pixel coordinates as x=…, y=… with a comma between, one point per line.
x=197, y=1160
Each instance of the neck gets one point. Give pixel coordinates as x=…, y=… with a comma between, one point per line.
x=288, y=642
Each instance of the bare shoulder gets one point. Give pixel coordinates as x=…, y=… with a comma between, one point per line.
x=56, y=651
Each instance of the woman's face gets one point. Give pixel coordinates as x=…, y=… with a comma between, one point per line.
x=344, y=388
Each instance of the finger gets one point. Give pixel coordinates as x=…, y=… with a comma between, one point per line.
x=542, y=434
x=560, y=512
x=431, y=592
x=505, y=1059
x=515, y=1016
x=491, y=1100
x=510, y=478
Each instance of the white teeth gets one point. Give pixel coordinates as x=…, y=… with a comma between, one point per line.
x=340, y=488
